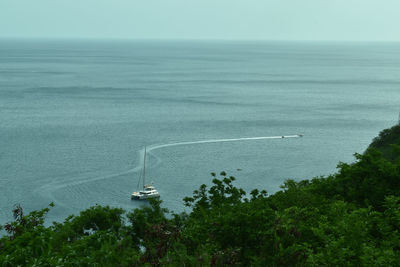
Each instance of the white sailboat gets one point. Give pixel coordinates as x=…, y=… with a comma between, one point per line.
x=148, y=191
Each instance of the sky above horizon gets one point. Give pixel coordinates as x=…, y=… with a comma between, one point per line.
x=337, y=20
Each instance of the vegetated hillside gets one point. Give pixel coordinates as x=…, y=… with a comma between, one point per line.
x=385, y=141
x=351, y=218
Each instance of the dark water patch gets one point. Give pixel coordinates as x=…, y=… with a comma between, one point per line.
x=85, y=90
x=33, y=72
x=370, y=107
x=200, y=101
x=353, y=82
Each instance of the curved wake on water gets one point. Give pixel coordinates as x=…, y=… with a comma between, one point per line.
x=48, y=189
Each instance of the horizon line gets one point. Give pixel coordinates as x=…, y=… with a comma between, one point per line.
x=193, y=39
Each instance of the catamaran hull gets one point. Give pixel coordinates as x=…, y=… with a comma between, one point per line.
x=143, y=197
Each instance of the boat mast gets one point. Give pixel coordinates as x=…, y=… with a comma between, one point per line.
x=144, y=168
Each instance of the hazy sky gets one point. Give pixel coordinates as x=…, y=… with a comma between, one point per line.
x=203, y=19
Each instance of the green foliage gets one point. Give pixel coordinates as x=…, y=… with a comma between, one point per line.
x=351, y=218
x=385, y=142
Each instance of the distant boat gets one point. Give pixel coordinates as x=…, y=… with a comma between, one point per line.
x=148, y=191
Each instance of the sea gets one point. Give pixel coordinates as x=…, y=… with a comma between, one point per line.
x=75, y=116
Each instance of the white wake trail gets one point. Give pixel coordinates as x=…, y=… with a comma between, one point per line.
x=50, y=188
x=154, y=147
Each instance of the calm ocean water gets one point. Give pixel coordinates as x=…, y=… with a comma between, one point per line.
x=75, y=114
